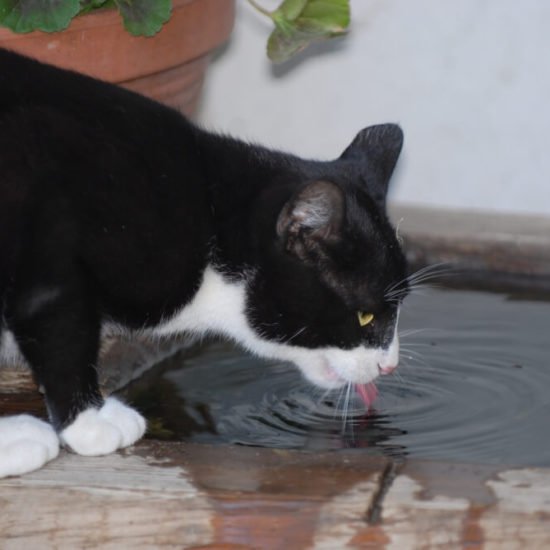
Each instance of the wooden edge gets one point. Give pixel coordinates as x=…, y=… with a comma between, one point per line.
x=182, y=496
x=441, y=505
x=185, y=495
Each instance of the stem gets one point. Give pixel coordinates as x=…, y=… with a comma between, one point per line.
x=260, y=9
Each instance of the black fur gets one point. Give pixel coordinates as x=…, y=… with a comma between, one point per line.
x=116, y=204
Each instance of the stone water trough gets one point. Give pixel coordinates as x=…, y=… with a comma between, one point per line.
x=183, y=495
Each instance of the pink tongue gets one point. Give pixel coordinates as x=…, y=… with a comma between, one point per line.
x=367, y=392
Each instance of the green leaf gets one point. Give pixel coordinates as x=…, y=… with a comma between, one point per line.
x=331, y=14
x=144, y=17
x=46, y=15
x=87, y=6
x=316, y=20
x=291, y=9
x=281, y=45
x=94, y=4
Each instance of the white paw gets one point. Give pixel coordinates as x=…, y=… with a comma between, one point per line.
x=26, y=444
x=97, y=432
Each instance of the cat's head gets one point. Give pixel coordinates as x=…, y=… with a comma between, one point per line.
x=331, y=274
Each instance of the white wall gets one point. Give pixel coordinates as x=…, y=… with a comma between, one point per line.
x=468, y=80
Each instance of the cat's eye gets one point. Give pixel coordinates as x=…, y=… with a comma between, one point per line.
x=365, y=318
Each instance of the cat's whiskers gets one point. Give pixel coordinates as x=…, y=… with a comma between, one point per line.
x=417, y=286
x=429, y=276
x=341, y=394
x=431, y=269
x=414, y=357
x=323, y=396
x=295, y=335
x=399, y=377
x=346, y=406
x=411, y=354
x=414, y=280
x=426, y=332
x=418, y=289
x=412, y=332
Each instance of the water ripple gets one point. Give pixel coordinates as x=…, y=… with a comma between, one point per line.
x=475, y=388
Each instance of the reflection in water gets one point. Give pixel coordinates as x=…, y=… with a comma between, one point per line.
x=472, y=387
x=217, y=394
x=168, y=415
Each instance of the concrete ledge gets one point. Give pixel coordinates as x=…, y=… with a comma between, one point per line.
x=484, y=249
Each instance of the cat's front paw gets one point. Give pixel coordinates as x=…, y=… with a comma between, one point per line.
x=26, y=444
x=101, y=431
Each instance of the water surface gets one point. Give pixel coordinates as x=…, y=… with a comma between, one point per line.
x=473, y=386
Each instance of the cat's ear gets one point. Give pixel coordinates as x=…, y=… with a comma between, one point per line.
x=380, y=144
x=312, y=216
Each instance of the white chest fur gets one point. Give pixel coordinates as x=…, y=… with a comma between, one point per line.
x=218, y=306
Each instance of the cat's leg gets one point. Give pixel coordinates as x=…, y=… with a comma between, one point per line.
x=26, y=444
x=59, y=338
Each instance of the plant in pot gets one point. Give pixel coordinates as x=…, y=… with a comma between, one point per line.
x=88, y=37
x=162, y=48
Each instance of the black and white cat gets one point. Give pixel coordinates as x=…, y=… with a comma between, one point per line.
x=117, y=211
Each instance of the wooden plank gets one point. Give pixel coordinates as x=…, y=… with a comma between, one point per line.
x=187, y=495
x=177, y=495
x=110, y=502
x=440, y=505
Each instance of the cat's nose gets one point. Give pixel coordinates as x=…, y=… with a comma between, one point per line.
x=386, y=369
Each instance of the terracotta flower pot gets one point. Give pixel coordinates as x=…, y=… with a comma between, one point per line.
x=168, y=67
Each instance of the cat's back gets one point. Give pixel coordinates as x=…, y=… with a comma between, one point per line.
x=61, y=128
x=25, y=82
x=118, y=169
x=33, y=93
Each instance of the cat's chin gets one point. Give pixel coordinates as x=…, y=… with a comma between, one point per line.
x=322, y=375
x=326, y=376
x=333, y=368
